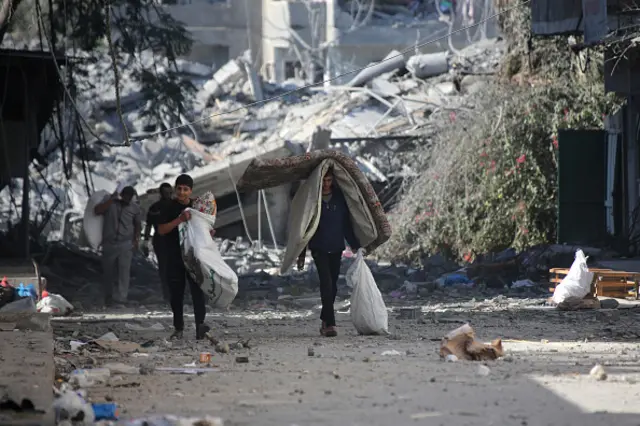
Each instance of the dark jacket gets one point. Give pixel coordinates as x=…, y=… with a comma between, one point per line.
x=335, y=226
x=153, y=216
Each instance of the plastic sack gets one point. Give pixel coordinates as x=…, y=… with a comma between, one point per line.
x=72, y=408
x=368, y=311
x=54, y=304
x=23, y=304
x=203, y=260
x=577, y=283
x=91, y=222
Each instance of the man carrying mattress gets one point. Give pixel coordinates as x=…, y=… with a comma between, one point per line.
x=120, y=236
x=153, y=215
x=327, y=245
x=171, y=216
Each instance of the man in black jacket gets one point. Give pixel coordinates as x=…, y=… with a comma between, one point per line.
x=172, y=215
x=327, y=245
x=153, y=215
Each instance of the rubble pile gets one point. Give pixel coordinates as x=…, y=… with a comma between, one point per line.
x=396, y=12
x=394, y=103
x=83, y=286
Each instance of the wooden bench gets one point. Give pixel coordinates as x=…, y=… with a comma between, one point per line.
x=606, y=282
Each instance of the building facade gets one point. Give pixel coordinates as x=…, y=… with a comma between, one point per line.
x=221, y=29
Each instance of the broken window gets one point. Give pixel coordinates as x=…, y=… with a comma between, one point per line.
x=364, y=12
x=292, y=69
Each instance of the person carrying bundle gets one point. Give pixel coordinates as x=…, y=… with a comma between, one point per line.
x=172, y=215
x=327, y=245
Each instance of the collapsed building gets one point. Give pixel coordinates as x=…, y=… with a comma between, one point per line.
x=383, y=112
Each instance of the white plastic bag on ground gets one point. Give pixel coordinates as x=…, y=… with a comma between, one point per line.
x=368, y=311
x=577, y=283
x=203, y=261
x=54, y=304
x=92, y=223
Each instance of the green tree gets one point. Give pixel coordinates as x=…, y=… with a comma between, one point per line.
x=132, y=26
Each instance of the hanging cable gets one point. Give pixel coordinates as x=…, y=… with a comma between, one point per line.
x=64, y=86
x=116, y=76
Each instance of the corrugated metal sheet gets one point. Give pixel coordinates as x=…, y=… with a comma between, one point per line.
x=550, y=17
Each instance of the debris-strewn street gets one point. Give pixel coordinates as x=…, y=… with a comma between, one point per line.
x=392, y=212
x=272, y=367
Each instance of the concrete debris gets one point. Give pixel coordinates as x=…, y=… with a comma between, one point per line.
x=576, y=304
x=392, y=62
x=175, y=421
x=483, y=371
x=395, y=104
x=598, y=372
x=223, y=348
x=429, y=65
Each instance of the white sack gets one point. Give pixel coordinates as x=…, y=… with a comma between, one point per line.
x=368, y=311
x=54, y=304
x=577, y=283
x=92, y=223
x=203, y=261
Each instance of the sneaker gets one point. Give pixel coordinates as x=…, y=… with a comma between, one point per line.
x=176, y=335
x=201, y=331
x=328, y=331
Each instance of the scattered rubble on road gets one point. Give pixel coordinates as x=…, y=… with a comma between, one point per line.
x=535, y=345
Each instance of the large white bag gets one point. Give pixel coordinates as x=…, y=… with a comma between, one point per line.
x=577, y=283
x=368, y=311
x=91, y=222
x=203, y=261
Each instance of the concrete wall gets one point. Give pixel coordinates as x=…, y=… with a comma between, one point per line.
x=349, y=47
x=221, y=30
x=280, y=19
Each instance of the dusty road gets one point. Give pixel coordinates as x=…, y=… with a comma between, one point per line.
x=295, y=377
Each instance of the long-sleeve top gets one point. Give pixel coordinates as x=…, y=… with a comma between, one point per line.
x=335, y=226
x=153, y=217
x=121, y=223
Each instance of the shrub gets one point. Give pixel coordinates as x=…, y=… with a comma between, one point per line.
x=488, y=179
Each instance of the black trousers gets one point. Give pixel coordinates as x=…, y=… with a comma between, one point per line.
x=328, y=265
x=161, y=255
x=178, y=278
